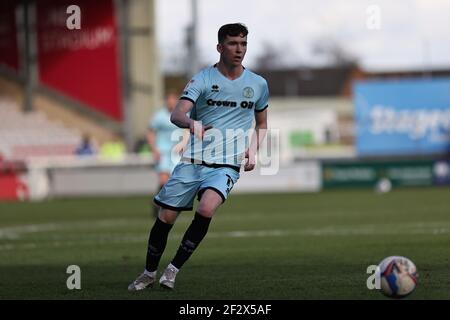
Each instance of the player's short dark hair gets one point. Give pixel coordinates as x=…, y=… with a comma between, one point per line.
x=232, y=30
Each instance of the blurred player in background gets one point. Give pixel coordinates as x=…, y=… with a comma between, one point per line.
x=166, y=152
x=222, y=97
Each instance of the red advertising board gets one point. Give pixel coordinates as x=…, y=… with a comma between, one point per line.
x=9, y=51
x=81, y=63
x=12, y=187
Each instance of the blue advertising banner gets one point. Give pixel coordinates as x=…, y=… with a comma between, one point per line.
x=402, y=117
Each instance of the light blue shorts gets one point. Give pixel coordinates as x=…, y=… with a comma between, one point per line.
x=188, y=180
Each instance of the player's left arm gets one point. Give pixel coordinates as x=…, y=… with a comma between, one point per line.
x=257, y=138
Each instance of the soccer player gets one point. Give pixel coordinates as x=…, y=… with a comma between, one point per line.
x=159, y=138
x=223, y=99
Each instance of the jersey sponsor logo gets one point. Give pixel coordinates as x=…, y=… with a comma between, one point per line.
x=248, y=92
x=247, y=104
x=226, y=103
x=219, y=103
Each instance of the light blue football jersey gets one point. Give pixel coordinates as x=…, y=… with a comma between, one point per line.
x=229, y=106
x=163, y=127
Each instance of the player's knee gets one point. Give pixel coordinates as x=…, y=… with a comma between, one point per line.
x=167, y=216
x=206, y=210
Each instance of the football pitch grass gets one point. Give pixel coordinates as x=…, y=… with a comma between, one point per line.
x=259, y=246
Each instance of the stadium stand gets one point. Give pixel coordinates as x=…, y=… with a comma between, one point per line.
x=31, y=134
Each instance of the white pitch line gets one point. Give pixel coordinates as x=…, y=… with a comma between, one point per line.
x=15, y=232
x=366, y=230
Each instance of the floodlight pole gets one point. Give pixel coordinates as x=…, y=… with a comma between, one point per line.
x=29, y=55
x=192, y=63
x=124, y=23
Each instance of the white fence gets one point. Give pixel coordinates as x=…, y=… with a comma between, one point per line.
x=135, y=175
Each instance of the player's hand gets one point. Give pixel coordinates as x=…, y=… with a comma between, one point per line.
x=198, y=129
x=250, y=161
x=178, y=148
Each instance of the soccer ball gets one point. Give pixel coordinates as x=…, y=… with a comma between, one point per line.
x=384, y=185
x=398, y=276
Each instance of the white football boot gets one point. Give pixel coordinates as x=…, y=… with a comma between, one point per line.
x=145, y=280
x=167, y=280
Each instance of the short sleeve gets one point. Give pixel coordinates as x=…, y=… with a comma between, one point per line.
x=194, y=88
x=263, y=101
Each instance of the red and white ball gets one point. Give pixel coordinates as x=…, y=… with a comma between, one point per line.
x=398, y=276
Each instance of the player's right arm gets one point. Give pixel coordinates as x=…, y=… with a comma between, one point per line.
x=179, y=117
x=181, y=120
x=151, y=140
x=152, y=131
